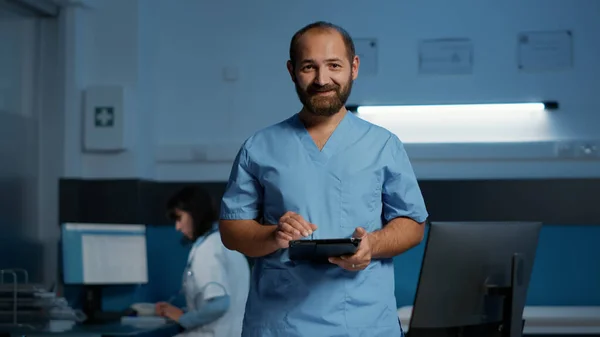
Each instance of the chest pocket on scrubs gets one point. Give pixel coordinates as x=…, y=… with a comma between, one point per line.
x=361, y=199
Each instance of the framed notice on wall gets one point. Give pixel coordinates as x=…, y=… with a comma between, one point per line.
x=545, y=51
x=450, y=56
x=366, y=50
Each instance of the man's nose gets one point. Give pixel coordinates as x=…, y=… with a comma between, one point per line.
x=323, y=77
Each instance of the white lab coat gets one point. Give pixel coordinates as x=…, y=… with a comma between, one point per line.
x=214, y=271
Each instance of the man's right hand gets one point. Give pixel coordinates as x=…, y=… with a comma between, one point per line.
x=292, y=226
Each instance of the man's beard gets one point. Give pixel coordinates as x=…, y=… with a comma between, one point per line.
x=324, y=105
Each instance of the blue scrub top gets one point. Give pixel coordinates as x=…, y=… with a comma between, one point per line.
x=361, y=177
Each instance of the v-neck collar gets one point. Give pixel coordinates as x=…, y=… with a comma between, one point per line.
x=332, y=145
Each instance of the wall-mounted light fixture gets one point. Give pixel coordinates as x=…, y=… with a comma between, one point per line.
x=370, y=109
x=461, y=122
x=452, y=111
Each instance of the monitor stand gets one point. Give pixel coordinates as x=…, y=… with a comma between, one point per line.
x=512, y=315
x=512, y=322
x=92, y=307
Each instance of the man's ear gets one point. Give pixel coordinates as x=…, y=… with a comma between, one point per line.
x=355, y=65
x=290, y=68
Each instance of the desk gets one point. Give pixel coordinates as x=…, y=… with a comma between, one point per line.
x=546, y=320
x=105, y=330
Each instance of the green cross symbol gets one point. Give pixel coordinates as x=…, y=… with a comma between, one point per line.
x=104, y=117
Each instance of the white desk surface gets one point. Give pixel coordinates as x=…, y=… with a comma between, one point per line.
x=545, y=319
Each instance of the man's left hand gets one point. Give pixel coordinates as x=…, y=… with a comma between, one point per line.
x=361, y=259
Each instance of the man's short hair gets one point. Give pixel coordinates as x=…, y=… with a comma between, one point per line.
x=350, y=50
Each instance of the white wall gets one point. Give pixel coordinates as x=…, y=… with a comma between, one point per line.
x=171, y=55
x=102, y=47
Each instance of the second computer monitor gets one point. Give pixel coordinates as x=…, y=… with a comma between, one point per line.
x=104, y=254
x=474, y=278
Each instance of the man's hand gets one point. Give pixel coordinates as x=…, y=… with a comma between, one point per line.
x=165, y=309
x=292, y=226
x=361, y=259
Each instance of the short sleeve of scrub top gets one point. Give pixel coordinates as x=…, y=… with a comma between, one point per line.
x=208, y=267
x=241, y=200
x=401, y=193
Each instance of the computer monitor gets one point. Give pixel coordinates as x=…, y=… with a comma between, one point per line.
x=98, y=255
x=474, y=279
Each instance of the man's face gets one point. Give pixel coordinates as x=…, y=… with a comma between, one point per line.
x=323, y=75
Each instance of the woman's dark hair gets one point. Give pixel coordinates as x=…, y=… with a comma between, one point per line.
x=199, y=204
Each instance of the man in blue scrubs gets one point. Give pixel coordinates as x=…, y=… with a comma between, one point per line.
x=322, y=173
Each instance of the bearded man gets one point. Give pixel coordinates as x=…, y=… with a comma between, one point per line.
x=322, y=173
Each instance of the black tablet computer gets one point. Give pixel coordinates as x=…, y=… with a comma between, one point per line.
x=321, y=250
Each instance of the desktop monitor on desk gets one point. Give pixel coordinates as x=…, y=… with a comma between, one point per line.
x=99, y=255
x=474, y=279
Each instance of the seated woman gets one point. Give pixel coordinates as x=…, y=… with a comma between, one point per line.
x=216, y=280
